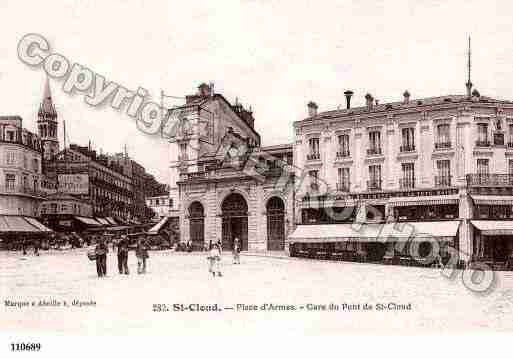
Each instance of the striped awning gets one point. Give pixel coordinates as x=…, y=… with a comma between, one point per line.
x=88, y=221
x=21, y=224
x=383, y=232
x=156, y=228
x=103, y=221
x=494, y=228
x=493, y=200
x=424, y=200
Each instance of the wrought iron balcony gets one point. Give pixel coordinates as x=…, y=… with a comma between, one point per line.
x=373, y=151
x=407, y=182
x=192, y=176
x=313, y=156
x=374, y=185
x=485, y=143
x=489, y=179
x=407, y=148
x=342, y=154
x=442, y=145
x=343, y=186
x=443, y=181
x=20, y=190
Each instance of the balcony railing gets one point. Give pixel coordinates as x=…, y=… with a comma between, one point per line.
x=313, y=156
x=407, y=182
x=491, y=179
x=485, y=143
x=407, y=148
x=374, y=185
x=342, y=154
x=192, y=176
x=442, y=145
x=373, y=151
x=20, y=190
x=343, y=186
x=443, y=181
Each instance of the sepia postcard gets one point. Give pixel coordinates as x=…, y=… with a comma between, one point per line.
x=255, y=168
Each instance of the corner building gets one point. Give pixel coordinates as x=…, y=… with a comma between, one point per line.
x=442, y=165
x=226, y=184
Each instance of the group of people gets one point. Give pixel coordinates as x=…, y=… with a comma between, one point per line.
x=214, y=256
x=141, y=253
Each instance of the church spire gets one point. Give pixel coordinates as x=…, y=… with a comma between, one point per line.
x=46, y=108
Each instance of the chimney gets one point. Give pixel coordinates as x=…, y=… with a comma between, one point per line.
x=348, y=95
x=312, y=109
x=475, y=95
x=469, y=88
x=376, y=102
x=204, y=90
x=368, y=100
x=406, y=96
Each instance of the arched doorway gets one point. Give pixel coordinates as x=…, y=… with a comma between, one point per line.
x=235, y=221
x=275, y=224
x=197, y=225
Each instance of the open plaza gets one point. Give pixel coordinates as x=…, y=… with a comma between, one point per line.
x=179, y=296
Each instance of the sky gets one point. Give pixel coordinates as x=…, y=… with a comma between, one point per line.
x=273, y=55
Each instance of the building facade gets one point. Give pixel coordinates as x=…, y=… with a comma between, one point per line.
x=227, y=185
x=20, y=168
x=443, y=165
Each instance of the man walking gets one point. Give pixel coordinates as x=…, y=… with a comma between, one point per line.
x=123, y=255
x=141, y=252
x=101, y=251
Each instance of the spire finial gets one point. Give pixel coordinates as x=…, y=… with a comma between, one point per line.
x=46, y=92
x=469, y=67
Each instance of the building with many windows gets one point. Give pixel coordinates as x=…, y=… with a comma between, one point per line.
x=441, y=165
x=20, y=168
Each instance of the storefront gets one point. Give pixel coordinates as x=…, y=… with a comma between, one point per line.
x=414, y=243
x=493, y=242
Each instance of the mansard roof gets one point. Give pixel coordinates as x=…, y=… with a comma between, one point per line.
x=419, y=104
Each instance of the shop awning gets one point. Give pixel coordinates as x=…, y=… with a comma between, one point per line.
x=38, y=225
x=424, y=200
x=156, y=228
x=494, y=228
x=111, y=221
x=21, y=224
x=103, y=221
x=421, y=231
x=493, y=200
x=89, y=221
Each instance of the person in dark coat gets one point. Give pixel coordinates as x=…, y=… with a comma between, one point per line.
x=101, y=251
x=236, y=251
x=141, y=252
x=123, y=255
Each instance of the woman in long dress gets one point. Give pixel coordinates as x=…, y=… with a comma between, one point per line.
x=214, y=258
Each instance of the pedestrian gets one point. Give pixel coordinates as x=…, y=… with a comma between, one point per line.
x=24, y=246
x=101, y=251
x=236, y=250
x=123, y=255
x=141, y=252
x=37, y=245
x=211, y=258
x=215, y=260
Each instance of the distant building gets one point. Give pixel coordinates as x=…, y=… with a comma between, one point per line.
x=65, y=213
x=160, y=205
